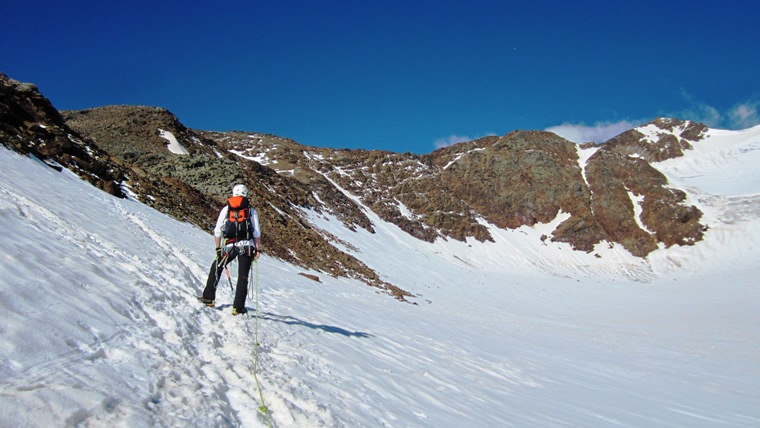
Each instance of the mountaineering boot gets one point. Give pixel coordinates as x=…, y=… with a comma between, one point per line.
x=236, y=311
x=207, y=302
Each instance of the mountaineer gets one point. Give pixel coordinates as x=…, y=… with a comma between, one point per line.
x=237, y=235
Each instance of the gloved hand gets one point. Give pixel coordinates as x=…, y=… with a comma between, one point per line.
x=219, y=253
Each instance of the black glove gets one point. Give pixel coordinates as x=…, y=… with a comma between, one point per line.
x=219, y=253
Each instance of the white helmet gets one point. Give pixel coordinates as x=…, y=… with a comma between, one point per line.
x=240, y=190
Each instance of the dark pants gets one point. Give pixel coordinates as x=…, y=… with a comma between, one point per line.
x=215, y=274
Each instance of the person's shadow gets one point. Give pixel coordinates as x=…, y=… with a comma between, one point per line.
x=287, y=319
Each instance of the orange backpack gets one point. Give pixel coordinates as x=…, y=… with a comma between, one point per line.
x=238, y=226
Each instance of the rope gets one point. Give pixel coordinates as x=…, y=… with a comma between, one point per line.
x=251, y=295
x=262, y=408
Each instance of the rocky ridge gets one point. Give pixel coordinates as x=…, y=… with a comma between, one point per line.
x=29, y=124
x=606, y=193
x=523, y=178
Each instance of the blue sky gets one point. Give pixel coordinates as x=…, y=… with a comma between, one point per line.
x=396, y=75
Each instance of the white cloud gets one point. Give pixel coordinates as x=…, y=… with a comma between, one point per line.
x=744, y=115
x=451, y=140
x=598, y=133
x=703, y=113
x=741, y=116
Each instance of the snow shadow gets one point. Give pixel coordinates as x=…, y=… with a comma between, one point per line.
x=287, y=319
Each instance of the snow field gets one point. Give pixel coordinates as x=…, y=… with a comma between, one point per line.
x=100, y=326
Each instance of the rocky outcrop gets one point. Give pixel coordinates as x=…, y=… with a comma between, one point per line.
x=523, y=178
x=31, y=125
x=659, y=140
x=620, y=175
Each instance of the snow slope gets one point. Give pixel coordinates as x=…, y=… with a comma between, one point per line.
x=723, y=163
x=100, y=326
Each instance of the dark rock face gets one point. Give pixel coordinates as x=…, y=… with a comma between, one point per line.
x=660, y=146
x=529, y=177
x=622, y=168
x=31, y=125
x=523, y=178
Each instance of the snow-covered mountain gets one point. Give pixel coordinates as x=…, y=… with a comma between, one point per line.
x=654, y=322
x=100, y=326
x=592, y=196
